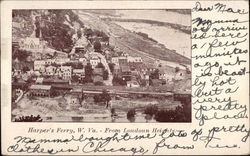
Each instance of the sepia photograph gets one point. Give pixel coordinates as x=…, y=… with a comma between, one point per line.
x=101, y=66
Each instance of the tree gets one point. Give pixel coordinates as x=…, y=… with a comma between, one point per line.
x=106, y=97
x=75, y=78
x=38, y=28
x=131, y=115
x=118, y=81
x=154, y=75
x=97, y=46
x=151, y=110
x=21, y=55
x=88, y=33
x=88, y=73
x=111, y=67
x=105, y=75
x=25, y=69
x=177, y=69
x=30, y=118
x=79, y=33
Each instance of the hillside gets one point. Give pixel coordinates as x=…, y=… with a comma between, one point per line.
x=59, y=28
x=130, y=42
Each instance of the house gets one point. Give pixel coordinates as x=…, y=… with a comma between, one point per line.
x=79, y=72
x=123, y=61
x=59, y=54
x=126, y=72
x=54, y=81
x=33, y=44
x=61, y=60
x=115, y=60
x=40, y=90
x=66, y=72
x=39, y=80
x=39, y=65
x=83, y=61
x=134, y=59
x=133, y=84
x=49, y=61
x=124, y=54
x=50, y=70
x=94, y=61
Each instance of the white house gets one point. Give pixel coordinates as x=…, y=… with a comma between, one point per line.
x=115, y=60
x=79, y=72
x=33, y=44
x=66, y=72
x=94, y=61
x=62, y=60
x=134, y=59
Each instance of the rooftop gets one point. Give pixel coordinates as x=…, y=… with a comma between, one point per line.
x=44, y=87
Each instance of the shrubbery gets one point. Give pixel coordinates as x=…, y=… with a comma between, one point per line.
x=177, y=115
x=30, y=118
x=131, y=115
x=151, y=110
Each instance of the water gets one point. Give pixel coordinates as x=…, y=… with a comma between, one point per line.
x=157, y=15
x=170, y=38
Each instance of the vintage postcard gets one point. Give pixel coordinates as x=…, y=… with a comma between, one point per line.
x=125, y=77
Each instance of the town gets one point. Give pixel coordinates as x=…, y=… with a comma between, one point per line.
x=88, y=68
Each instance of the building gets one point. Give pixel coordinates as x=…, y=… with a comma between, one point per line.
x=126, y=73
x=50, y=70
x=40, y=90
x=49, y=61
x=123, y=61
x=61, y=60
x=94, y=61
x=79, y=72
x=115, y=60
x=124, y=54
x=33, y=44
x=39, y=80
x=39, y=65
x=83, y=61
x=66, y=72
x=134, y=59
